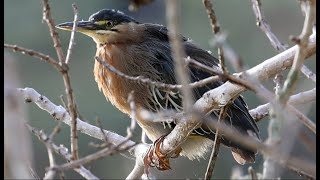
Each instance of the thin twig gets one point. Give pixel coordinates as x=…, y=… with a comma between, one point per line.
x=300, y=172
x=308, y=73
x=33, y=53
x=221, y=42
x=101, y=129
x=300, y=98
x=252, y=173
x=264, y=26
x=300, y=55
x=47, y=141
x=63, y=101
x=275, y=42
x=62, y=151
x=66, y=78
x=215, y=27
x=53, y=33
x=50, y=173
x=106, y=143
x=216, y=146
x=309, y=143
x=93, y=157
x=74, y=29
x=254, y=144
x=303, y=118
x=181, y=68
x=158, y=84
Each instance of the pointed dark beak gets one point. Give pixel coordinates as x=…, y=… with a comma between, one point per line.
x=81, y=26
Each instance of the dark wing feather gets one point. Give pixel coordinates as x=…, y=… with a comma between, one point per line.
x=238, y=115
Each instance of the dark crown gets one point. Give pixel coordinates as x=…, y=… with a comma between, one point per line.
x=111, y=14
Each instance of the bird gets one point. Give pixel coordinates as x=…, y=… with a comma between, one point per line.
x=143, y=49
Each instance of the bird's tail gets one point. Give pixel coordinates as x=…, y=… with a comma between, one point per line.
x=243, y=156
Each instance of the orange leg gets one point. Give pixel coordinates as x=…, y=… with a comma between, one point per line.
x=160, y=161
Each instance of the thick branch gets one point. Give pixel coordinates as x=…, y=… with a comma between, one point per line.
x=224, y=93
x=61, y=114
x=262, y=71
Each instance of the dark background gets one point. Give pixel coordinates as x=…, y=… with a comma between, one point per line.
x=23, y=26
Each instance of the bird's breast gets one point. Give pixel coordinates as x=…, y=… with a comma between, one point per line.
x=114, y=88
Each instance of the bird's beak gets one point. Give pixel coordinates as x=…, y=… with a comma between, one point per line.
x=82, y=26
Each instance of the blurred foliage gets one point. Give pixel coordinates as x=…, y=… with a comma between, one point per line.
x=23, y=26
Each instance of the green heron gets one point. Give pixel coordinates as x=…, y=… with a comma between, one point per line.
x=136, y=49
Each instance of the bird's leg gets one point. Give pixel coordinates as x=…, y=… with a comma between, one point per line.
x=154, y=158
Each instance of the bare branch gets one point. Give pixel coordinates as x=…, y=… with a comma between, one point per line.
x=301, y=53
x=215, y=27
x=264, y=26
x=301, y=98
x=93, y=157
x=66, y=78
x=263, y=71
x=252, y=173
x=50, y=173
x=234, y=58
x=308, y=73
x=62, y=151
x=138, y=170
x=74, y=28
x=181, y=68
x=271, y=151
x=216, y=146
x=158, y=84
x=53, y=33
x=222, y=94
x=275, y=42
x=33, y=53
x=60, y=113
x=303, y=118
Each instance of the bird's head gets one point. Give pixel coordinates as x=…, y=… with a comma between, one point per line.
x=106, y=27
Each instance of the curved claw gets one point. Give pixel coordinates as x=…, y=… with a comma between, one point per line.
x=154, y=158
x=164, y=163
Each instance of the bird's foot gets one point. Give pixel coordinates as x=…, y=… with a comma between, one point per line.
x=154, y=158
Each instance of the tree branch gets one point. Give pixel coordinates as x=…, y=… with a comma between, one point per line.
x=215, y=27
x=301, y=52
x=224, y=93
x=181, y=68
x=66, y=78
x=301, y=98
x=62, y=151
